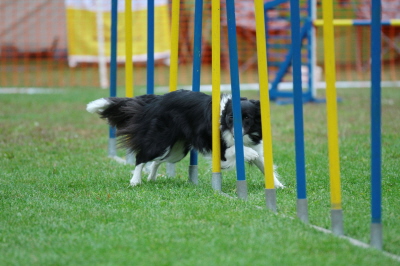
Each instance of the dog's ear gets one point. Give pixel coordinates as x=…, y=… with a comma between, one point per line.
x=243, y=98
x=256, y=103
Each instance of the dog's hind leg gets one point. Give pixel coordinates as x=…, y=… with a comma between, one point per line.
x=153, y=171
x=259, y=162
x=137, y=175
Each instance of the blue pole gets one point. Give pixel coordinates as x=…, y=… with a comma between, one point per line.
x=298, y=112
x=237, y=112
x=150, y=47
x=198, y=21
x=112, y=147
x=376, y=209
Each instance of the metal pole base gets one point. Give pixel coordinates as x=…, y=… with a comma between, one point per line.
x=112, y=147
x=130, y=158
x=337, y=222
x=376, y=235
x=216, y=181
x=302, y=210
x=193, y=174
x=241, y=186
x=270, y=199
x=171, y=169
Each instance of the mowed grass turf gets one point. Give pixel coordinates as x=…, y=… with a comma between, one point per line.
x=63, y=202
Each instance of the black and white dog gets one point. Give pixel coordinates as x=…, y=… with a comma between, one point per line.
x=164, y=128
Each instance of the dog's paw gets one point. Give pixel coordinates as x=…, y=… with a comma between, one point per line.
x=134, y=183
x=250, y=154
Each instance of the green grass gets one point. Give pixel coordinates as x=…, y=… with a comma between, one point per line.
x=63, y=202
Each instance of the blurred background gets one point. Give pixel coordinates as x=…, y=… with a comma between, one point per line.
x=59, y=43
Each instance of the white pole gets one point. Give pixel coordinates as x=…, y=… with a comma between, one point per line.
x=313, y=75
x=100, y=41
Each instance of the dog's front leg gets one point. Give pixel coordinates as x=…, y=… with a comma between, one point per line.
x=259, y=162
x=137, y=175
x=250, y=154
x=230, y=158
x=153, y=171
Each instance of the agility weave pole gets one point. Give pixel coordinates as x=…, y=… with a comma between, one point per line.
x=376, y=162
x=150, y=46
x=112, y=141
x=129, y=87
x=198, y=21
x=236, y=106
x=173, y=70
x=302, y=205
x=270, y=193
x=216, y=181
x=332, y=118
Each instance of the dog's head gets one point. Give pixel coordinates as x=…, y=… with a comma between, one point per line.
x=251, y=118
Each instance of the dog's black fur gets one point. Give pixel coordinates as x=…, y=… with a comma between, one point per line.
x=164, y=128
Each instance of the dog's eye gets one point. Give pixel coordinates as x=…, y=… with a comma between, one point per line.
x=246, y=117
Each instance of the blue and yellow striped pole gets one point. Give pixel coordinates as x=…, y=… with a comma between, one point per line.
x=270, y=193
x=216, y=94
x=332, y=118
x=129, y=90
x=173, y=70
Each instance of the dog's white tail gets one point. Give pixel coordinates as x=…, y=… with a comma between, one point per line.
x=97, y=106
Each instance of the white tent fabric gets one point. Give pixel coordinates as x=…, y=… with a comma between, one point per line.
x=32, y=26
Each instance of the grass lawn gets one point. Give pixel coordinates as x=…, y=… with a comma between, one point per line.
x=63, y=202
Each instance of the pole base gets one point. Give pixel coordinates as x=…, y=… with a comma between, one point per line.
x=112, y=147
x=130, y=158
x=216, y=181
x=171, y=170
x=302, y=210
x=241, y=186
x=193, y=174
x=337, y=222
x=376, y=235
x=270, y=199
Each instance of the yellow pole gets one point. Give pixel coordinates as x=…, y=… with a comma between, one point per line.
x=264, y=95
x=336, y=22
x=332, y=117
x=351, y=22
x=128, y=50
x=216, y=81
x=173, y=69
x=173, y=72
